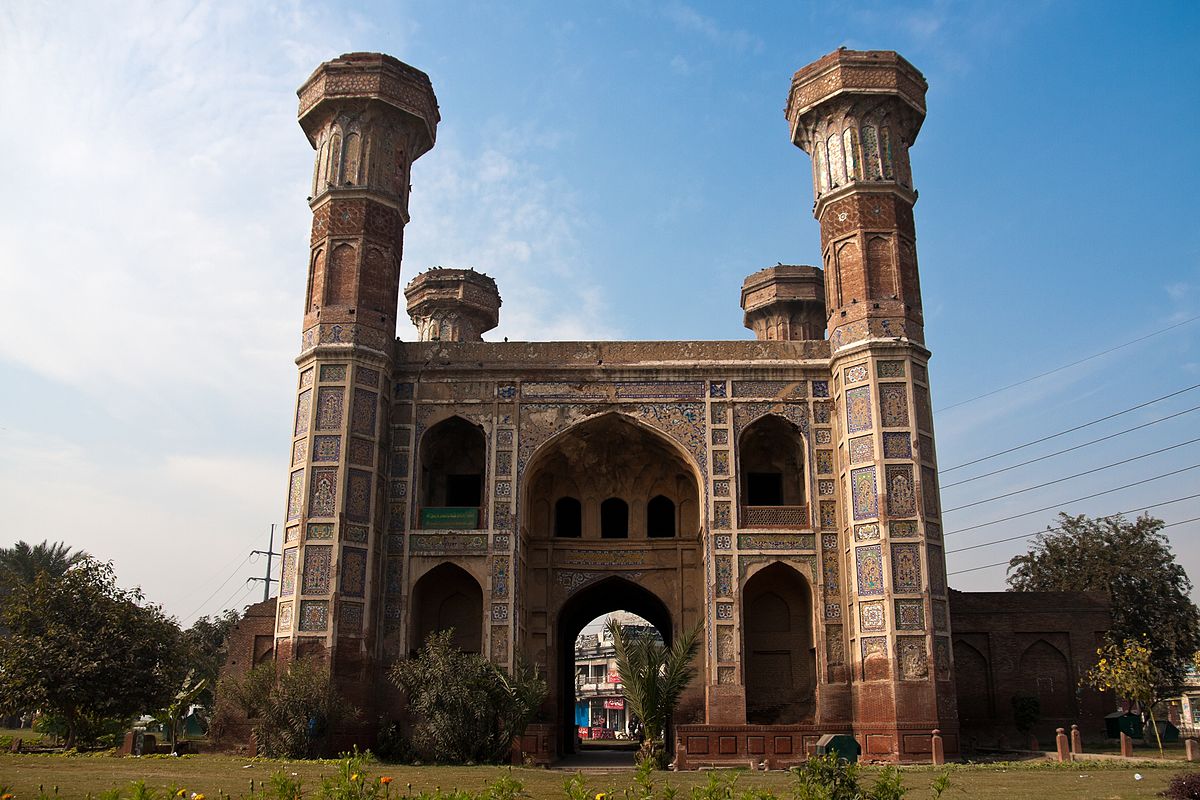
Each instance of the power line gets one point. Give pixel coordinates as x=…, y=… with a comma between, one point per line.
x=1068, y=366
x=1059, y=527
x=1076, y=500
x=1068, y=430
x=204, y=602
x=1069, y=449
x=1003, y=563
x=1070, y=477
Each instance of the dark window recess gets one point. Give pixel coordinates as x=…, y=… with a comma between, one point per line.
x=614, y=519
x=660, y=518
x=568, y=518
x=764, y=489
x=464, y=490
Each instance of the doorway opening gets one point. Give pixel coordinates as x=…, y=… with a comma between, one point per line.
x=594, y=713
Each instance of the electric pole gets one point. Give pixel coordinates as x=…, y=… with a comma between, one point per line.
x=269, y=552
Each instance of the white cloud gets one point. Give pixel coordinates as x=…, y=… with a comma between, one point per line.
x=689, y=19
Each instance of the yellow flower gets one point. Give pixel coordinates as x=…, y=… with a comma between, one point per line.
x=385, y=780
x=199, y=797
x=354, y=777
x=601, y=796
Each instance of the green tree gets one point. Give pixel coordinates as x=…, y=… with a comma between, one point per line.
x=466, y=708
x=1130, y=561
x=204, y=651
x=1128, y=670
x=22, y=563
x=80, y=647
x=654, y=677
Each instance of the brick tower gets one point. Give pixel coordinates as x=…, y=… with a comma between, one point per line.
x=856, y=113
x=369, y=117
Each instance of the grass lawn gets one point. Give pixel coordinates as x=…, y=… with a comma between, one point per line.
x=214, y=775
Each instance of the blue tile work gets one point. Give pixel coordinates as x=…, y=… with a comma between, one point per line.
x=869, y=567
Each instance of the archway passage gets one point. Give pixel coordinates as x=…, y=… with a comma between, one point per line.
x=448, y=597
x=453, y=459
x=595, y=601
x=779, y=658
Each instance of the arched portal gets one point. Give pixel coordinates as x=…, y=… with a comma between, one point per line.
x=448, y=597
x=453, y=462
x=606, y=596
x=777, y=646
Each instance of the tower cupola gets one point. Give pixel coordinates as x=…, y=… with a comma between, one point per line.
x=453, y=305
x=785, y=302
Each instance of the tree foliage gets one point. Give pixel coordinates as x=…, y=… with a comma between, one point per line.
x=293, y=711
x=22, y=563
x=1128, y=670
x=1132, y=562
x=204, y=650
x=80, y=647
x=654, y=677
x=466, y=709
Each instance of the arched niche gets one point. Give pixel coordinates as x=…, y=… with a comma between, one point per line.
x=448, y=597
x=1045, y=674
x=453, y=457
x=778, y=654
x=973, y=685
x=771, y=482
x=610, y=458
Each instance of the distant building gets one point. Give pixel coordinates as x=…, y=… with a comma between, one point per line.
x=600, y=710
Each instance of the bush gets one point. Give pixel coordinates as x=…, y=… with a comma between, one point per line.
x=1183, y=787
x=465, y=708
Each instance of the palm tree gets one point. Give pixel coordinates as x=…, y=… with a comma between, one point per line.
x=654, y=676
x=21, y=563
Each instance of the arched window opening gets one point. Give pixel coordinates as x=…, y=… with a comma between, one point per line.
x=660, y=518
x=568, y=518
x=448, y=598
x=772, y=475
x=453, y=454
x=614, y=519
x=780, y=663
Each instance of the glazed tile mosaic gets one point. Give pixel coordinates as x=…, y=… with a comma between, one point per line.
x=295, y=495
x=820, y=388
x=333, y=373
x=354, y=571
x=722, y=515
x=870, y=616
x=914, y=659
x=823, y=436
x=873, y=646
x=327, y=448
x=367, y=376
x=285, y=615
x=831, y=575
x=724, y=576
x=287, y=581
x=929, y=491
x=858, y=409
x=506, y=391
x=718, y=415
x=291, y=534
x=504, y=438
x=910, y=615
x=835, y=646
x=869, y=561
x=866, y=533
x=499, y=612
x=720, y=462
x=856, y=374
x=829, y=541
x=825, y=488
x=319, y=530
x=724, y=611
x=897, y=445
x=299, y=451
x=901, y=497
x=500, y=568
x=903, y=529
x=777, y=541
x=833, y=611
x=864, y=492
x=906, y=567
x=828, y=514
x=503, y=462
x=723, y=541
x=937, y=570
x=921, y=399
x=303, y=412
x=362, y=452
x=330, y=400
x=821, y=413
x=941, y=619
x=726, y=643
x=350, y=618
x=314, y=615
x=893, y=404
x=862, y=449
x=358, y=495
x=395, y=576
x=941, y=657
x=362, y=417
x=356, y=533
x=306, y=378
x=824, y=462
x=721, y=488
x=890, y=369
x=318, y=560
x=720, y=436
x=933, y=530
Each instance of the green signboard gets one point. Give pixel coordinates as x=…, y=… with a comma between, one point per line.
x=450, y=517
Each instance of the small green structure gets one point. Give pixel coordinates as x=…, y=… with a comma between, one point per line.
x=843, y=744
x=1125, y=722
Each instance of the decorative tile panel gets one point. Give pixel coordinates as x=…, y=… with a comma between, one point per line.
x=865, y=493
x=831, y=576
x=499, y=612
x=504, y=437
x=858, y=409
x=395, y=576
x=500, y=576
x=367, y=376
x=829, y=541
x=327, y=448
x=777, y=541
x=721, y=488
x=921, y=373
x=726, y=676
x=291, y=534
x=315, y=577
x=903, y=529
x=500, y=542
x=504, y=462
x=319, y=530
x=330, y=401
x=354, y=571
x=867, y=532
x=362, y=417
x=723, y=541
x=914, y=658
x=833, y=611
x=933, y=530
x=941, y=657
x=929, y=491
x=856, y=374
x=726, y=643
x=296, y=495
x=299, y=451
x=820, y=388
x=924, y=417
x=503, y=488
x=824, y=462
x=448, y=542
x=306, y=378
x=901, y=496
x=720, y=436
x=824, y=436
x=358, y=496
x=906, y=567
x=303, y=411
x=771, y=389
x=893, y=404
x=506, y=391
x=890, y=369
x=724, y=611
x=350, y=618
x=362, y=452
x=910, y=615
x=825, y=488
x=937, y=570
x=828, y=515
x=870, y=616
x=718, y=415
x=722, y=515
x=720, y=462
x=716, y=389
x=333, y=373
x=285, y=613
x=862, y=449
x=835, y=645
x=941, y=618
x=869, y=560
x=356, y=533
x=822, y=412
x=314, y=615
x=873, y=646
x=724, y=576
x=897, y=445
x=287, y=581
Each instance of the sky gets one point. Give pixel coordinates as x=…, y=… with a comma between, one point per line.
x=619, y=168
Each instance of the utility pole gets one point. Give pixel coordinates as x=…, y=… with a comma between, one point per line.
x=269, y=552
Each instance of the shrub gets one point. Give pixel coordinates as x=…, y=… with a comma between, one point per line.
x=1183, y=787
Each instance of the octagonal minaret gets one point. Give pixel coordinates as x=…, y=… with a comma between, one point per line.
x=857, y=113
x=369, y=117
x=452, y=305
x=785, y=302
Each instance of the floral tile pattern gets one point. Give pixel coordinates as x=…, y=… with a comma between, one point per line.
x=287, y=579
x=867, y=532
x=914, y=658
x=901, y=494
x=897, y=445
x=303, y=411
x=865, y=493
x=318, y=560
x=828, y=515
x=902, y=529
x=820, y=388
x=906, y=567
x=285, y=615
x=893, y=404
x=858, y=409
x=720, y=462
x=724, y=576
x=910, y=615
x=362, y=416
x=295, y=495
x=824, y=462
x=350, y=618
x=314, y=615
x=870, y=616
x=869, y=562
x=358, y=495
x=330, y=401
x=354, y=571
x=327, y=448
x=824, y=436
x=333, y=373
x=361, y=452
x=862, y=449
x=319, y=530
x=835, y=645
x=322, y=493
x=890, y=369
x=722, y=515
x=856, y=374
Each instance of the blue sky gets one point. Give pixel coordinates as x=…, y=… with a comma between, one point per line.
x=618, y=168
